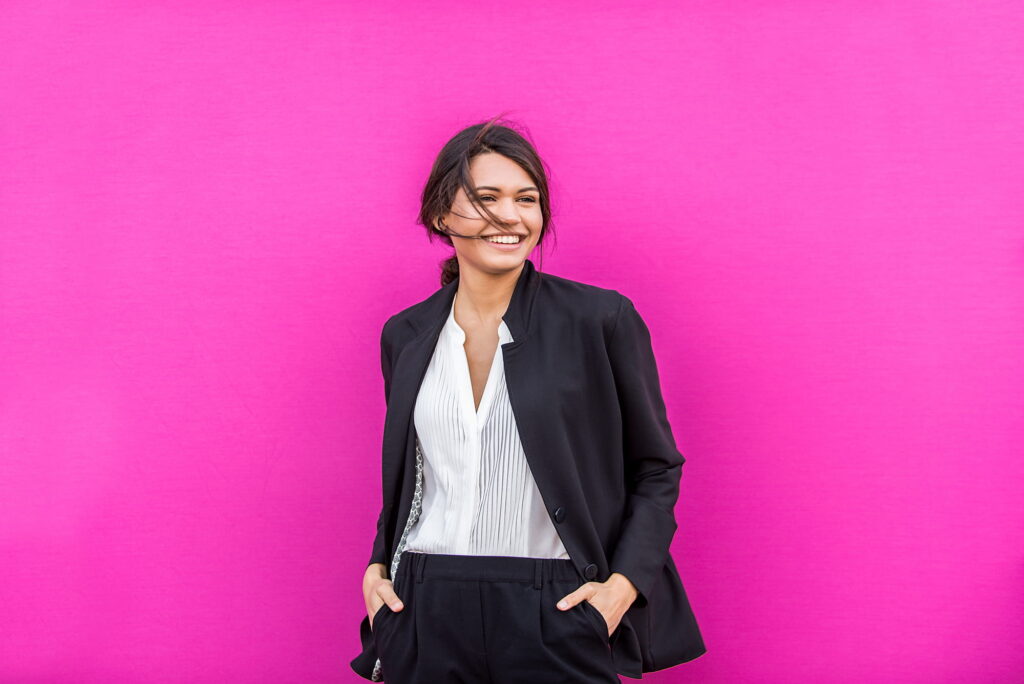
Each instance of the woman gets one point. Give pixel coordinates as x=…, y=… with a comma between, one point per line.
x=529, y=470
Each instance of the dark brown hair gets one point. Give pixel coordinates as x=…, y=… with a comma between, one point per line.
x=451, y=171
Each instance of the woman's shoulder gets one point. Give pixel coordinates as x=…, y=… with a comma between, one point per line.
x=409, y=321
x=577, y=300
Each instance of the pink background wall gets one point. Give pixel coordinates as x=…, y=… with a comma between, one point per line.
x=207, y=214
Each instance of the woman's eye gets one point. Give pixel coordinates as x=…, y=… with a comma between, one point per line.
x=529, y=200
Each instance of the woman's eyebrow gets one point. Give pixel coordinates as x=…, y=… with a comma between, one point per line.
x=491, y=187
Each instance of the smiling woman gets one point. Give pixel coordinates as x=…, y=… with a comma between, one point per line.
x=529, y=472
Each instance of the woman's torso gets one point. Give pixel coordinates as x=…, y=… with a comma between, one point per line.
x=479, y=495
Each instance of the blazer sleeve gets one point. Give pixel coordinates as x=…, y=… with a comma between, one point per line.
x=653, y=464
x=378, y=555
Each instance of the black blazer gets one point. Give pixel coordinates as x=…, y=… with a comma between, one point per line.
x=584, y=387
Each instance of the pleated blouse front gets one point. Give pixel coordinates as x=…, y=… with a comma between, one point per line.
x=479, y=495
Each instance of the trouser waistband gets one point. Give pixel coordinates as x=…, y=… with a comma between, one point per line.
x=488, y=568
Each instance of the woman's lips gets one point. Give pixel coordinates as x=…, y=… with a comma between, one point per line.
x=503, y=247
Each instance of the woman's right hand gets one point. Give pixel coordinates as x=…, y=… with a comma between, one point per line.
x=378, y=590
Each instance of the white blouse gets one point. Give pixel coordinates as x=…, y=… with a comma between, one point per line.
x=479, y=496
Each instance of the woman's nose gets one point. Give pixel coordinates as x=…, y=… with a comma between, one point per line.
x=510, y=214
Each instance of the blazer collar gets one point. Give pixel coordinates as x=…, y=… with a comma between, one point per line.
x=518, y=316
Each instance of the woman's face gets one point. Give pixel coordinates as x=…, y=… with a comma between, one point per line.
x=508, y=191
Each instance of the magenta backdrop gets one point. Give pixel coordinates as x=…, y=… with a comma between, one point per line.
x=208, y=212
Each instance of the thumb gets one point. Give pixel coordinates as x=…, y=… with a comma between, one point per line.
x=569, y=600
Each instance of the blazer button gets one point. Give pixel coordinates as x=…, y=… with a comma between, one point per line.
x=559, y=514
x=590, y=572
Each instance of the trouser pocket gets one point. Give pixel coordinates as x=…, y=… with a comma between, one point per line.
x=596, y=619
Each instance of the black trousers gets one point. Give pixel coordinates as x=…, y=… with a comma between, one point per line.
x=490, y=619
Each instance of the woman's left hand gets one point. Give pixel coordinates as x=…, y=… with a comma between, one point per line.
x=612, y=598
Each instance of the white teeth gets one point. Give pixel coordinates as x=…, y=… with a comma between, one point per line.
x=504, y=239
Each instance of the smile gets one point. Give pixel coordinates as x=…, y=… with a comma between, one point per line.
x=505, y=243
